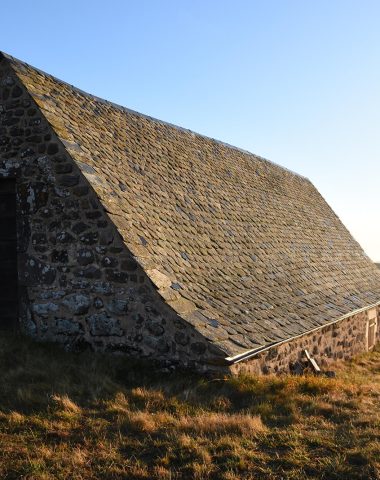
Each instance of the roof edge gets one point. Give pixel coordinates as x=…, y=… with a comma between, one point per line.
x=252, y=353
x=148, y=117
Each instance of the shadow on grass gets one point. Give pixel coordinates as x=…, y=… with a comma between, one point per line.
x=32, y=372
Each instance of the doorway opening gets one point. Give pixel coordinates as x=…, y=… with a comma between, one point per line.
x=8, y=255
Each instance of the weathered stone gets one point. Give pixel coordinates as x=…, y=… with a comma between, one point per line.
x=52, y=294
x=35, y=272
x=156, y=329
x=90, y=272
x=98, y=302
x=103, y=325
x=85, y=256
x=33, y=196
x=104, y=288
x=8, y=80
x=117, y=306
x=61, y=192
x=64, y=237
x=77, y=303
x=44, y=309
x=80, y=283
x=181, y=338
x=109, y=261
x=89, y=238
x=64, y=326
x=106, y=236
x=27, y=152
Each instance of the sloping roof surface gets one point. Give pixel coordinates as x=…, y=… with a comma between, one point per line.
x=245, y=250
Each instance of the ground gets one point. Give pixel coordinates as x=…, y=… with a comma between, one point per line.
x=87, y=416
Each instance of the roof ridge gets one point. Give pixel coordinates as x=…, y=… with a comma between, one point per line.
x=148, y=117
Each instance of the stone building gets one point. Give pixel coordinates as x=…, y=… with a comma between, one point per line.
x=125, y=233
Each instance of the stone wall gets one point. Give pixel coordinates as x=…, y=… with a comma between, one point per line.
x=78, y=283
x=339, y=341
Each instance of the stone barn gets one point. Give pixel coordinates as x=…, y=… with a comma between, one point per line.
x=124, y=233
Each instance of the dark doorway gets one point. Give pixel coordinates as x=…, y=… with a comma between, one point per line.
x=8, y=255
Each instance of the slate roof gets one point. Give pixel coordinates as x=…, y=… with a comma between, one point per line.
x=247, y=251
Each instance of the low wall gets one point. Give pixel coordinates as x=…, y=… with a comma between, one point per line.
x=339, y=341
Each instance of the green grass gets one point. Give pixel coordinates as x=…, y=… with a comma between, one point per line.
x=87, y=416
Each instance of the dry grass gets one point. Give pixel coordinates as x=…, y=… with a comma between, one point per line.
x=211, y=423
x=66, y=416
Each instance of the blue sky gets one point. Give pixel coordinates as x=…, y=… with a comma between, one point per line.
x=294, y=81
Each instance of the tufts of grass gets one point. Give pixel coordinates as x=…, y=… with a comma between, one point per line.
x=88, y=416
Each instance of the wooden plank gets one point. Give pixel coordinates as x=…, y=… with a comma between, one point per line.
x=312, y=362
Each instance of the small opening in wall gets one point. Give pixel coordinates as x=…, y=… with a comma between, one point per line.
x=371, y=328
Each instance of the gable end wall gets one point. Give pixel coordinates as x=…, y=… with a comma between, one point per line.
x=78, y=283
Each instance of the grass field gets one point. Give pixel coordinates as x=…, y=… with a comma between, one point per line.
x=67, y=416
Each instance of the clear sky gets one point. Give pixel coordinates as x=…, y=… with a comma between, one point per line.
x=295, y=81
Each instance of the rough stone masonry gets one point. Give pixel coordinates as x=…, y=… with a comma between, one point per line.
x=78, y=284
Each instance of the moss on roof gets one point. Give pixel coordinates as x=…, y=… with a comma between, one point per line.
x=232, y=241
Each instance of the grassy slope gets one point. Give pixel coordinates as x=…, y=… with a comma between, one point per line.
x=92, y=417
